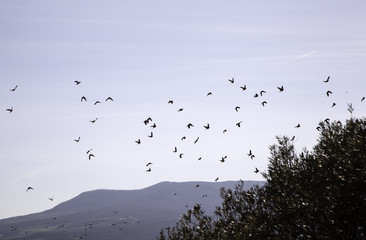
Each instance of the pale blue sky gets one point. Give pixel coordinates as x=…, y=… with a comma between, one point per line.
x=144, y=53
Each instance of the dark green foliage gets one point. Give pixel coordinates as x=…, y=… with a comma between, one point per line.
x=319, y=194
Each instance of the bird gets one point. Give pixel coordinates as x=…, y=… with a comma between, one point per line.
x=293, y=138
x=148, y=170
x=196, y=140
x=250, y=153
x=256, y=170
x=147, y=120
x=10, y=110
x=96, y=102
x=77, y=82
x=91, y=155
x=280, y=88
x=256, y=95
x=327, y=79
x=181, y=155
x=204, y=195
x=138, y=141
x=153, y=126
x=183, y=138
x=175, y=150
x=318, y=128
x=83, y=98
x=237, y=108
x=207, y=126
x=208, y=94
x=29, y=188
x=225, y=131
x=298, y=125
x=87, y=152
x=197, y=185
x=216, y=179
x=149, y=163
x=328, y=93
x=231, y=80
x=327, y=120
x=189, y=125
x=333, y=104
x=264, y=102
x=115, y=212
x=238, y=124
x=199, y=159
x=51, y=199
x=243, y=88
x=93, y=121
x=151, y=135
x=262, y=92
x=110, y=99
x=14, y=88
x=77, y=140
x=180, y=109
x=251, y=157
x=223, y=159
x=363, y=98
x=170, y=102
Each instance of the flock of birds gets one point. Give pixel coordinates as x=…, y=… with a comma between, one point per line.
x=175, y=149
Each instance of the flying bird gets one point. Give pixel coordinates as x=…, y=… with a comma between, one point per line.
x=151, y=135
x=238, y=124
x=256, y=95
x=225, y=131
x=327, y=120
x=77, y=82
x=196, y=140
x=298, y=125
x=208, y=94
x=83, y=98
x=363, y=98
x=243, y=88
x=237, y=108
x=87, y=152
x=183, y=138
x=153, y=126
x=281, y=88
x=10, y=110
x=262, y=92
x=138, y=141
x=327, y=79
x=293, y=138
x=318, y=128
x=14, y=88
x=51, y=199
x=91, y=155
x=93, y=121
x=231, y=80
x=148, y=170
x=170, y=102
x=223, y=159
x=199, y=159
x=77, y=140
x=175, y=150
x=216, y=179
x=197, y=185
x=110, y=99
x=264, y=102
x=250, y=153
x=29, y=188
x=180, y=109
x=149, y=163
x=207, y=126
x=328, y=93
x=147, y=120
x=256, y=170
x=334, y=104
x=96, y=102
x=189, y=125
x=181, y=155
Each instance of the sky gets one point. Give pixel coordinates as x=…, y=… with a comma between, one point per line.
x=145, y=53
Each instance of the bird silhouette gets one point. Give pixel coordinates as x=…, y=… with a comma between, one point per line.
x=183, y=138
x=223, y=159
x=225, y=131
x=237, y=108
x=96, y=102
x=327, y=120
x=208, y=94
x=204, y=195
x=197, y=185
x=151, y=135
x=328, y=93
x=148, y=170
x=263, y=103
x=29, y=188
x=256, y=170
x=180, y=109
x=280, y=88
x=147, y=120
x=250, y=153
x=83, y=98
x=216, y=179
x=262, y=92
x=138, y=141
x=252, y=157
x=199, y=159
x=334, y=104
x=93, y=121
x=231, y=80
x=14, y=88
x=189, y=125
x=363, y=98
x=293, y=138
x=196, y=140
x=77, y=82
x=148, y=164
x=109, y=99
x=10, y=110
x=51, y=199
x=77, y=140
x=90, y=156
x=153, y=126
x=243, y=88
x=298, y=125
x=256, y=95
x=318, y=128
x=327, y=79
x=87, y=152
x=238, y=124
x=170, y=102
x=175, y=150
x=181, y=155
x=207, y=126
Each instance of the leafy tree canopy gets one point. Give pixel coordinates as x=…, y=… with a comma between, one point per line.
x=318, y=194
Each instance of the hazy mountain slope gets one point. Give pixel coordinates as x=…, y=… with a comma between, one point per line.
x=117, y=214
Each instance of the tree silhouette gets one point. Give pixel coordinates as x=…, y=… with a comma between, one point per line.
x=317, y=194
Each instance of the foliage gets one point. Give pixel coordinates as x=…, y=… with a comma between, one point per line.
x=319, y=194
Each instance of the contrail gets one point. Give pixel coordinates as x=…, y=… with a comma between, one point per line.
x=301, y=56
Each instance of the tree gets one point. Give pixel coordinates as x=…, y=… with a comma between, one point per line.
x=319, y=194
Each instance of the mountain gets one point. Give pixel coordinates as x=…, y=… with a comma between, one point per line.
x=118, y=214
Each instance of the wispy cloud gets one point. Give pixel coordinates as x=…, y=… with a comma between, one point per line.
x=301, y=56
